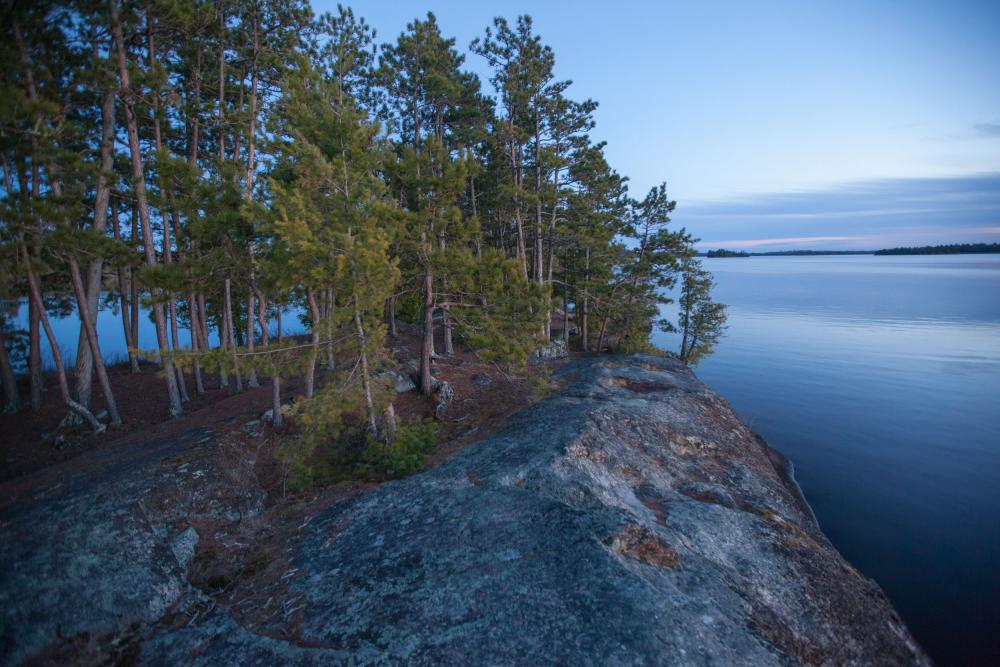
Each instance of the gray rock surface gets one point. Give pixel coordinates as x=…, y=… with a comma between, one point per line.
x=401, y=379
x=631, y=518
x=555, y=349
x=96, y=549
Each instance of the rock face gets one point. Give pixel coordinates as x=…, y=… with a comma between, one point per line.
x=629, y=519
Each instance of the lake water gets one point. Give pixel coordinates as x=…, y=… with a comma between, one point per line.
x=879, y=377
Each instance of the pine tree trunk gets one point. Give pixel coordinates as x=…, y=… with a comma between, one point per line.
x=122, y=294
x=427, y=346
x=601, y=336
x=252, y=381
x=134, y=289
x=35, y=379
x=313, y=350
x=222, y=83
x=102, y=191
x=90, y=333
x=390, y=314
x=365, y=378
x=36, y=311
x=11, y=401
x=125, y=316
x=449, y=347
x=231, y=332
x=390, y=423
x=281, y=308
x=278, y=419
x=139, y=185
x=584, y=323
x=35, y=294
x=175, y=344
x=167, y=245
x=265, y=337
x=203, y=321
x=223, y=346
x=330, y=297
x=565, y=335
x=196, y=347
x=684, y=329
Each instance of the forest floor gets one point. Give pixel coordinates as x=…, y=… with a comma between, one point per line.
x=241, y=555
x=34, y=440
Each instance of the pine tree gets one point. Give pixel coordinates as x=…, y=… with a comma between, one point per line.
x=701, y=320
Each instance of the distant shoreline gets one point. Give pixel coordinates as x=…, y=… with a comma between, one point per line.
x=953, y=249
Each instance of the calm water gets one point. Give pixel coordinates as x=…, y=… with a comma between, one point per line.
x=879, y=377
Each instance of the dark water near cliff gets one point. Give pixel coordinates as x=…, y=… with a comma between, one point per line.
x=879, y=377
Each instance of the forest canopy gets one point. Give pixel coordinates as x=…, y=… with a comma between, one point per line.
x=219, y=161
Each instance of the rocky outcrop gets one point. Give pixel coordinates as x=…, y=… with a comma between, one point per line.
x=631, y=518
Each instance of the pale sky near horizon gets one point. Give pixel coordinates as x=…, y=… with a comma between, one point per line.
x=770, y=121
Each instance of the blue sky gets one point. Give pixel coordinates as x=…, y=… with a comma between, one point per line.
x=767, y=118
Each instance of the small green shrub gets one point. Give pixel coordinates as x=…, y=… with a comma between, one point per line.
x=403, y=456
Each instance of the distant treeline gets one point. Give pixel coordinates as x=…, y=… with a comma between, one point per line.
x=727, y=253
x=954, y=249
x=783, y=253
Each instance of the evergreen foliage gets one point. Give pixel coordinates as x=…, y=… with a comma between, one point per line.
x=227, y=161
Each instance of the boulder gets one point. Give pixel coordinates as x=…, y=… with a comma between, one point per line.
x=555, y=349
x=268, y=415
x=444, y=394
x=401, y=379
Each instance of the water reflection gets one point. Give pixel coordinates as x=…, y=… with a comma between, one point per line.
x=880, y=378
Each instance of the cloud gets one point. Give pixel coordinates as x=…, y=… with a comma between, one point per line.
x=987, y=129
x=861, y=215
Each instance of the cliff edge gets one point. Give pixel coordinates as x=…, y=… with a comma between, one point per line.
x=631, y=518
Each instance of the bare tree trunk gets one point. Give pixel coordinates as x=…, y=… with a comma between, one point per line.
x=277, y=420
x=565, y=300
x=11, y=401
x=601, y=336
x=365, y=378
x=203, y=321
x=91, y=335
x=449, y=347
x=139, y=184
x=134, y=290
x=390, y=315
x=122, y=294
x=35, y=378
x=231, y=332
x=390, y=423
x=265, y=337
x=281, y=308
x=84, y=362
x=167, y=245
x=222, y=83
x=329, y=299
x=427, y=346
x=35, y=294
x=196, y=348
x=584, y=322
x=223, y=346
x=36, y=311
x=252, y=381
x=314, y=329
